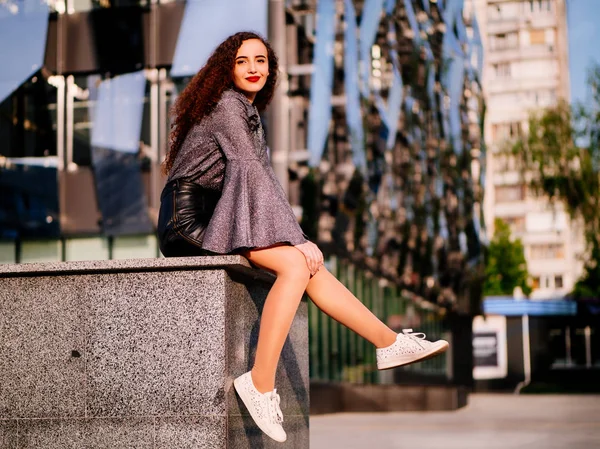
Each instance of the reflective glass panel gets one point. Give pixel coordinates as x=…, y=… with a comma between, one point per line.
x=322, y=81
x=28, y=120
x=41, y=251
x=7, y=252
x=118, y=113
x=135, y=247
x=206, y=23
x=95, y=248
x=351, y=83
x=23, y=29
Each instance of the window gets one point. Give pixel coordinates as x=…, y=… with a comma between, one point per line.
x=84, y=91
x=535, y=282
x=558, y=281
x=502, y=70
x=547, y=251
x=504, y=11
x=494, y=12
x=540, y=5
x=517, y=224
x=543, y=98
x=537, y=37
x=28, y=120
x=504, y=162
x=510, y=193
x=504, y=41
x=503, y=131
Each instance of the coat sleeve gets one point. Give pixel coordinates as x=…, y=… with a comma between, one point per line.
x=253, y=211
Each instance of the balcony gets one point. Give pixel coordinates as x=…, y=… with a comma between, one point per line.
x=503, y=25
x=545, y=51
x=511, y=208
x=509, y=84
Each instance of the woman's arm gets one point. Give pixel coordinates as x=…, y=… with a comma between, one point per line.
x=232, y=132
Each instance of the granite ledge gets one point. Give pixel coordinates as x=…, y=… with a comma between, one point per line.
x=233, y=264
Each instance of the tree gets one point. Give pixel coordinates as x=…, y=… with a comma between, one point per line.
x=560, y=160
x=506, y=267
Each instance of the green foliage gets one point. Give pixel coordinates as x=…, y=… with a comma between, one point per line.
x=506, y=267
x=589, y=285
x=560, y=159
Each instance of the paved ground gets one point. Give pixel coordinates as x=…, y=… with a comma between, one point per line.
x=488, y=422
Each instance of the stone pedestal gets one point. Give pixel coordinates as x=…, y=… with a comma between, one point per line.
x=139, y=354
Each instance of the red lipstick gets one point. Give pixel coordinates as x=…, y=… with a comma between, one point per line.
x=253, y=79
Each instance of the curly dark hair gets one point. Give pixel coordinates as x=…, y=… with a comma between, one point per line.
x=205, y=89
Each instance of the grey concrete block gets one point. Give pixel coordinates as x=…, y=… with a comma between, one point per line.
x=195, y=432
x=292, y=378
x=116, y=354
x=156, y=350
x=41, y=324
x=231, y=263
x=86, y=433
x=8, y=434
x=294, y=366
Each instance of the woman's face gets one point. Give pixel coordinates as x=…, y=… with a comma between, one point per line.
x=251, y=68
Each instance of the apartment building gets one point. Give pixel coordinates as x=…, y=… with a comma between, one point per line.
x=526, y=69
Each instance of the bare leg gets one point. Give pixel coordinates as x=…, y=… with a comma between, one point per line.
x=289, y=265
x=329, y=294
x=339, y=303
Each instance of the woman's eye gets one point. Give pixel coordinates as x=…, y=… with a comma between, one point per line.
x=241, y=61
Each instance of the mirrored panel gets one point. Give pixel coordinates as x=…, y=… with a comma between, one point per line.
x=117, y=153
x=23, y=29
x=38, y=251
x=28, y=199
x=206, y=23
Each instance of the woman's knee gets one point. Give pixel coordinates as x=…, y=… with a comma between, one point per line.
x=299, y=273
x=284, y=261
x=292, y=265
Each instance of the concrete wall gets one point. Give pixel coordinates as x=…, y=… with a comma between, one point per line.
x=139, y=353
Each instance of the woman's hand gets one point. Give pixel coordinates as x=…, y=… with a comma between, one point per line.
x=313, y=255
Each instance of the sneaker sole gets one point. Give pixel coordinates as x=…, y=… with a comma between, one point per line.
x=246, y=400
x=403, y=360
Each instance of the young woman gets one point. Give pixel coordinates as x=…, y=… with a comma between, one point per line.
x=223, y=197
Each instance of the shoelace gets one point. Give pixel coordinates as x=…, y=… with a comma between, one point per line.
x=417, y=336
x=274, y=401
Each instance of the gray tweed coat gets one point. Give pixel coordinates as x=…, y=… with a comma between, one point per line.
x=226, y=152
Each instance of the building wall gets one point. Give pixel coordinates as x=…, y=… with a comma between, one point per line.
x=526, y=69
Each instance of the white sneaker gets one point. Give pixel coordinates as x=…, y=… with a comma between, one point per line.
x=263, y=407
x=408, y=348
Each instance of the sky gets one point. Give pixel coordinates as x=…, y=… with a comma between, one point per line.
x=583, y=17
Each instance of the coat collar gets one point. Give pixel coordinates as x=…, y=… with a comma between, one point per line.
x=252, y=115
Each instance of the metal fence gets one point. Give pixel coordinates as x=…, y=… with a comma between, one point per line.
x=339, y=355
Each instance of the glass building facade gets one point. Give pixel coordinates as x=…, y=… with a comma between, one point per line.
x=395, y=173
x=383, y=117
x=398, y=155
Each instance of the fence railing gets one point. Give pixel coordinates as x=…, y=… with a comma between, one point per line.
x=339, y=355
